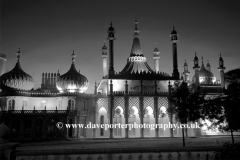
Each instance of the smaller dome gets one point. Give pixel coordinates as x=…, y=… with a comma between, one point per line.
x=205, y=76
x=104, y=47
x=208, y=64
x=111, y=27
x=173, y=31
x=220, y=58
x=16, y=79
x=72, y=81
x=156, y=48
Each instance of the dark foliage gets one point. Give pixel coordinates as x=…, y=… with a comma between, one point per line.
x=230, y=152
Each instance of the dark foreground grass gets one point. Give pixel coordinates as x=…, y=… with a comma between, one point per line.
x=123, y=145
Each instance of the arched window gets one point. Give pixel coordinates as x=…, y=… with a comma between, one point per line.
x=59, y=105
x=71, y=104
x=162, y=115
x=102, y=129
x=117, y=120
x=146, y=120
x=160, y=121
x=43, y=104
x=132, y=120
x=24, y=105
x=11, y=104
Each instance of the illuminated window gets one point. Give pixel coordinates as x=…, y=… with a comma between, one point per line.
x=24, y=105
x=160, y=121
x=132, y=120
x=11, y=104
x=43, y=104
x=59, y=105
x=102, y=129
x=117, y=120
x=71, y=104
x=146, y=120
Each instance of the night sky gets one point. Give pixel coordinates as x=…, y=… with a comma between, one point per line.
x=47, y=31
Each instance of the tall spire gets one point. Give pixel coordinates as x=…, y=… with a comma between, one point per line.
x=136, y=46
x=174, y=40
x=136, y=31
x=18, y=53
x=73, y=57
x=111, y=38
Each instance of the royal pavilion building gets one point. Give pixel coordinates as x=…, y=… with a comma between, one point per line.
x=137, y=94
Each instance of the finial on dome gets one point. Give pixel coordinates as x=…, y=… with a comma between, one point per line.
x=202, y=59
x=111, y=24
x=79, y=71
x=195, y=54
x=173, y=27
x=73, y=57
x=220, y=54
x=136, y=23
x=18, y=53
x=136, y=34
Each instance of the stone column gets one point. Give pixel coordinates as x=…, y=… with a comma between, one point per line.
x=95, y=116
x=110, y=108
x=156, y=116
x=170, y=105
x=110, y=112
x=126, y=100
x=141, y=116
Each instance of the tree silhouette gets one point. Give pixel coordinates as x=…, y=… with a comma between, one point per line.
x=187, y=103
x=224, y=110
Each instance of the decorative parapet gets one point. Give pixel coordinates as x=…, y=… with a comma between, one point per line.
x=135, y=93
x=43, y=112
x=42, y=94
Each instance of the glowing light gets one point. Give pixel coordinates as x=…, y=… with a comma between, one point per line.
x=163, y=109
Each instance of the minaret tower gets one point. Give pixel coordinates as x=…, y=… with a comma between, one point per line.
x=111, y=39
x=196, y=68
x=186, y=72
x=104, y=56
x=221, y=69
x=156, y=58
x=174, y=40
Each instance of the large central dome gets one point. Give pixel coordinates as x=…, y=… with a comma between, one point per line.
x=136, y=63
x=72, y=81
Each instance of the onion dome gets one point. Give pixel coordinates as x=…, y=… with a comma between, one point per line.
x=156, y=52
x=16, y=79
x=72, y=81
x=205, y=76
x=104, y=50
x=111, y=27
x=156, y=49
x=208, y=66
x=174, y=31
x=104, y=47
